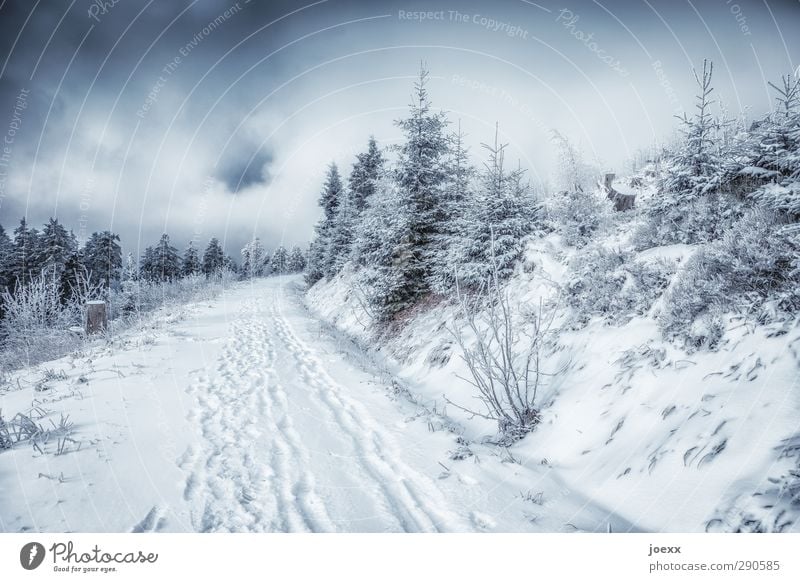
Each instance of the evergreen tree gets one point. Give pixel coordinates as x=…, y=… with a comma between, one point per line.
x=319, y=256
x=191, y=261
x=148, y=269
x=213, y=258
x=279, y=260
x=6, y=260
x=365, y=174
x=341, y=235
x=457, y=196
x=296, y=262
x=56, y=245
x=421, y=177
x=253, y=259
x=502, y=215
x=74, y=275
x=166, y=261
x=103, y=258
x=229, y=264
x=26, y=251
x=776, y=153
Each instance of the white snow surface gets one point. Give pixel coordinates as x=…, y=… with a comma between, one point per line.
x=246, y=413
x=662, y=440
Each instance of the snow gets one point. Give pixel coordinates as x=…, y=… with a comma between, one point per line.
x=661, y=439
x=247, y=414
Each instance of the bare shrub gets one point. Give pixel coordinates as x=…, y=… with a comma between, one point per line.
x=504, y=357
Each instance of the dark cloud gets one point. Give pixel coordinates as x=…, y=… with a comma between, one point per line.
x=147, y=117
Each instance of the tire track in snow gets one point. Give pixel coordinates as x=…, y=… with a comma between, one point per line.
x=414, y=498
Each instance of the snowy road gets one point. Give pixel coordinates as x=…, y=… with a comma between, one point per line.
x=291, y=440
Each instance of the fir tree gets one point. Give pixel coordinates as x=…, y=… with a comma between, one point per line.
x=279, y=260
x=253, y=259
x=6, y=260
x=213, y=258
x=365, y=174
x=296, y=262
x=167, y=263
x=191, y=261
x=26, y=251
x=103, y=258
x=56, y=245
x=421, y=177
x=320, y=257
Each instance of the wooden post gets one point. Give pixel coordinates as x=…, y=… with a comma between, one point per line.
x=609, y=181
x=96, y=317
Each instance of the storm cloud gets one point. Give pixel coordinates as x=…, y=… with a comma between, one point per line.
x=216, y=118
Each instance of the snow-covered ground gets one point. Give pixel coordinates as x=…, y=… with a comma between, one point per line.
x=246, y=413
x=663, y=439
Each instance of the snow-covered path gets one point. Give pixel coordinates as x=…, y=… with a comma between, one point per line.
x=246, y=414
x=288, y=445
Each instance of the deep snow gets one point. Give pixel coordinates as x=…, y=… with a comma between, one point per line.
x=246, y=413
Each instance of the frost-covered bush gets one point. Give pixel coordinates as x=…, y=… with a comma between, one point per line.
x=578, y=216
x=749, y=270
x=36, y=323
x=614, y=285
x=697, y=221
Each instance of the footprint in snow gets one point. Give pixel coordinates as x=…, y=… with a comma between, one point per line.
x=482, y=520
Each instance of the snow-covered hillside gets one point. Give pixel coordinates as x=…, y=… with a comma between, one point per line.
x=667, y=440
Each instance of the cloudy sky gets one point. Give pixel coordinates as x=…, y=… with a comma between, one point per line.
x=217, y=118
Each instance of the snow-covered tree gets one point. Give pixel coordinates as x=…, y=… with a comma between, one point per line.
x=457, y=199
x=319, y=256
x=254, y=257
x=421, y=176
x=25, y=265
x=279, y=260
x=777, y=152
x=213, y=258
x=166, y=264
x=365, y=174
x=502, y=214
x=382, y=241
x=296, y=263
x=102, y=257
x=573, y=172
x=191, y=264
x=56, y=245
x=341, y=235
x=6, y=260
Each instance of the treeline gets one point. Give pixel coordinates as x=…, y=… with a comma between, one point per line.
x=425, y=222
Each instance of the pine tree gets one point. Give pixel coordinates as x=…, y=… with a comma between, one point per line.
x=6, y=261
x=148, y=269
x=365, y=174
x=26, y=251
x=166, y=262
x=253, y=259
x=501, y=216
x=103, y=258
x=229, y=264
x=341, y=235
x=191, y=261
x=296, y=262
x=279, y=260
x=457, y=196
x=73, y=276
x=213, y=258
x=777, y=152
x=319, y=257
x=56, y=245
x=421, y=177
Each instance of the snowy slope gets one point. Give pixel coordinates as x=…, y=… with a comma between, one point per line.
x=665, y=440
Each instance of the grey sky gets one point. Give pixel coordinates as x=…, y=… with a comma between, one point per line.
x=179, y=116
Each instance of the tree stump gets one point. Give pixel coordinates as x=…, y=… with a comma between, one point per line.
x=96, y=317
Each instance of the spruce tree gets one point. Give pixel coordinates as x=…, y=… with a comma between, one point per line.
x=56, y=245
x=166, y=261
x=6, y=260
x=103, y=258
x=25, y=265
x=191, y=261
x=213, y=258
x=421, y=177
x=329, y=199
x=279, y=260
x=364, y=176
x=296, y=262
